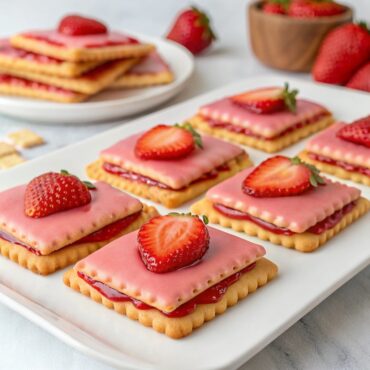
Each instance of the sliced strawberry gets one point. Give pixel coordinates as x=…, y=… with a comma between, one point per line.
x=76, y=25
x=281, y=176
x=168, y=243
x=55, y=192
x=357, y=132
x=168, y=142
x=267, y=100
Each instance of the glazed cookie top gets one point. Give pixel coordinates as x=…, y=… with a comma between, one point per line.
x=297, y=213
x=328, y=144
x=119, y=265
x=267, y=125
x=151, y=64
x=77, y=42
x=173, y=173
x=55, y=231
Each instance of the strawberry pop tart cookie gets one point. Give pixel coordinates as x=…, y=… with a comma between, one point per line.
x=56, y=219
x=173, y=275
x=268, y=119
x=342, y=150
x=285, y=201
x=22, y=60
x=18, y=86
x=152, y=70
x=90, y=82
x=81, y=39
x=168, y=164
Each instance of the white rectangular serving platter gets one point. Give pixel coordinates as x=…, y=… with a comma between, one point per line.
x=232, y=338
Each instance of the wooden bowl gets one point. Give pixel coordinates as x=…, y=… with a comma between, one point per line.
x=288, y=43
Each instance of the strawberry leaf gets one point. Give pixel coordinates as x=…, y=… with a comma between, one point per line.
x=290, y=98
x=196, y=136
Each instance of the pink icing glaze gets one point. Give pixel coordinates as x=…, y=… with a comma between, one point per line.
x=152, y=64
x=76, y=42
x=177, y=173
x=329, y=145
x=6, y=79
x=9, y=51
x=267, y=125
x=121, y=262
x=50, y=233
x=297, y=213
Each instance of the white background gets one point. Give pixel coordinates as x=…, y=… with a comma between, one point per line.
x=333, y=336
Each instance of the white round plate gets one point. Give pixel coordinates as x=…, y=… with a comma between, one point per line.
x=109, y=104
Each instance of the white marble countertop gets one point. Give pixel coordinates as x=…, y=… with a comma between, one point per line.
x=335, y=335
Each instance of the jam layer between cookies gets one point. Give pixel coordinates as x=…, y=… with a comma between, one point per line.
x=225, y=114
x=314, y=210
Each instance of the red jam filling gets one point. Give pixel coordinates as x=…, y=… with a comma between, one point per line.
x=106, y=233
x=7, y=49
x=127, y=41
x=346, y=166
x=326, y=224
x=22, y=82
x=246, y=131
x=136, y=177
x=210, y=295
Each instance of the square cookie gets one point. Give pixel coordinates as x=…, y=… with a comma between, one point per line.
x=151, y=70
x=268, y=132
x=25, y=138
x=89, y=82
x=117, y=277
x=44, y=245
x=22, y=60
x=327, y=210
x=339, y=157
x=169, y=182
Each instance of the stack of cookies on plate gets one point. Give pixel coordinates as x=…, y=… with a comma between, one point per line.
x=78, y=59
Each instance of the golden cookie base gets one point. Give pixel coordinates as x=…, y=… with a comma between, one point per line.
x=269, y=146
x=335, y=170
x=63, y=69
x=303, y=242
x=81, y=54
x=10, y=160
x=177, y=328
x=169, y=198
x=81, y=84
x=57, y=260
x=29, y=92
x=151, y=79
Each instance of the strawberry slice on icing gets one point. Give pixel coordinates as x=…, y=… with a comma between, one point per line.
x=76, y=25
x=357, y=132
x=168, y=243
x=281, y=176
x=267, y=100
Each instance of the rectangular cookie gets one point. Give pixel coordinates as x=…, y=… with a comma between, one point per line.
x=268, y=132
x=100, y=47
x=23, y=60
x=25, y=138
x=89, y=83
x=44, y=245
x=17, y=86
x=151, y=70
x=169, y=182
x=327, y=210
x=338, y=157
x=158, y=300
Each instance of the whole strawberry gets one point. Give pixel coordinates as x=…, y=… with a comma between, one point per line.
x=314, y=8
x=361, y=79
x=55, y=192
x=192, y=29
x=343, y=51
x=275, y=6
